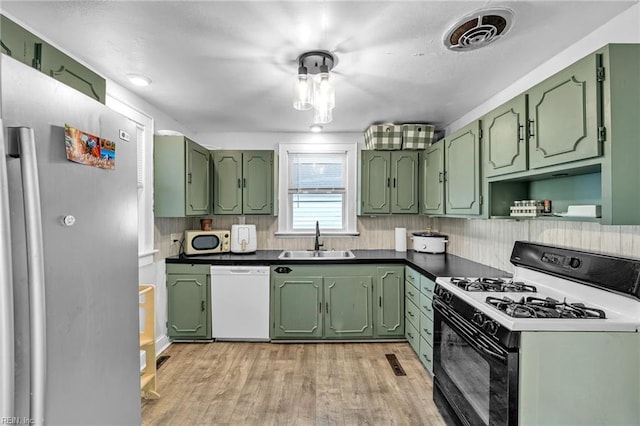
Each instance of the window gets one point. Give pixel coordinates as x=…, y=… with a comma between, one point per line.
x=317, y=184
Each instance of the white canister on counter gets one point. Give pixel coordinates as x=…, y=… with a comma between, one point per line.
x=401, y=239
x=429, y=242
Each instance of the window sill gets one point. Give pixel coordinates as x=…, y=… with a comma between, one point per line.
x=312, y=234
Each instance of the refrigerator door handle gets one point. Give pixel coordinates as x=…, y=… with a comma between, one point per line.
x=23, y=146
x=7, y=361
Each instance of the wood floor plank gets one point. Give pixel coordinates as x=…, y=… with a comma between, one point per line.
x=231, y=383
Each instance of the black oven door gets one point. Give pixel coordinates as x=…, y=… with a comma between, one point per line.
x=475, y=377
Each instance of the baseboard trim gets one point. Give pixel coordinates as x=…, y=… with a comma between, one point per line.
x=162, y=344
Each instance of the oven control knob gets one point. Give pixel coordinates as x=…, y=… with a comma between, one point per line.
x=478, y=318
x=447, y=297
x=491, y=327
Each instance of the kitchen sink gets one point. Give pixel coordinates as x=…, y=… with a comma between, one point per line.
x=316, y=254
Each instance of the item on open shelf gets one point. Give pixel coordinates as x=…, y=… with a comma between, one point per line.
x=146, y=302
x=589, y=210
x=527, y=208
x=417, y=136
x=383, y=136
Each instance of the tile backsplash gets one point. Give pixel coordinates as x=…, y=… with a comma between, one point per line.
x=481, y=240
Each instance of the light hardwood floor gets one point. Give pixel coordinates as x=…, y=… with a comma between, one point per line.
x=237, y=383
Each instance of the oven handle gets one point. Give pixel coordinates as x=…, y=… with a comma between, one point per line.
x=469, y=332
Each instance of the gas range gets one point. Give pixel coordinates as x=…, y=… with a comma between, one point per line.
x=556, y=324
x=534, y=301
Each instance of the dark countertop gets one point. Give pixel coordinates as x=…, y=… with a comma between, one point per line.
x=431, y=265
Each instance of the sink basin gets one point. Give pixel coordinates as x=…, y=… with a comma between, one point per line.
x=316, y=255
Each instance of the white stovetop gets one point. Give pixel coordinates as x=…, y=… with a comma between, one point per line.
x=622, y=312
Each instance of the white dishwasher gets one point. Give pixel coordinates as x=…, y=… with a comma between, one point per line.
x=240, y=302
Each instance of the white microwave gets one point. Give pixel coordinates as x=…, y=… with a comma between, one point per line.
x=206, y=242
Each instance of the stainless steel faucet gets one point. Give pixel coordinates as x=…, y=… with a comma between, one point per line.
x=317, y=244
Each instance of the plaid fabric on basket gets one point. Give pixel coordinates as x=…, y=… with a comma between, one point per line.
x=383, y=136
x=417, y=136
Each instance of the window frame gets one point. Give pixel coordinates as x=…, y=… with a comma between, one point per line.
x=285, y=221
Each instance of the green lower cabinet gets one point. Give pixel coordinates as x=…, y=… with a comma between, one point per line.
x=389, y=294
x=419, y=316
x=349, y=302
x=348, y=306
x=413, y=337
x=426, y=355
x=189, y=312
x=297, y=306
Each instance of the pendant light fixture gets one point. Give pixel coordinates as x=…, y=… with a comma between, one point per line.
x=314, y=85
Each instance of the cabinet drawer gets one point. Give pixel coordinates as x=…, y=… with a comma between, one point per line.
x=412, y=314
x=412, y=293
x=426, y=355
x=426, y=286
x=425, y=305
x=413, y=337
x=426, y=329
x=412, y=276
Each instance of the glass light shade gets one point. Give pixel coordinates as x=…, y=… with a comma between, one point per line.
x=322, y=115
x=324, y=96
x=303, y=92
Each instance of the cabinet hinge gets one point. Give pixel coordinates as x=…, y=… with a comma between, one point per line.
x=480, y=134
x=481, y=199
x=602, y=134
x=600, y=76
x=37, y=56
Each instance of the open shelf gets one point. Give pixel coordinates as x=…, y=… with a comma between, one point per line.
x=146, y=302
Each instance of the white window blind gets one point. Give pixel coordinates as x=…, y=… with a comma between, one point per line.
x=316, y=190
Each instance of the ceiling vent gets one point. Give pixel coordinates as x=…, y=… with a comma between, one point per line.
x=479, y=29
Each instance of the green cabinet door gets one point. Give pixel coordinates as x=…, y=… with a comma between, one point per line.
x=462, y=165
x=188, y=306
x=432, y=180
x=504, y=136
x=375, y=181
x=404, y=182
x=181, y=177
x=198, y=180
x=16, y=42
x=63, y=68
x=257, y=182
x=297, y=307
x=389, y=298
x=227, y=182
x=348, y=306
x=564, y=113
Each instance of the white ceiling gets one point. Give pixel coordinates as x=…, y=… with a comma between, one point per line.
x=229, y=66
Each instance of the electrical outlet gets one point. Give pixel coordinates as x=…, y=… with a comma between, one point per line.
x=175, y=238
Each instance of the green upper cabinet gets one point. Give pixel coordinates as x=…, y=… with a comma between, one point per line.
x=564, y=115
x=432, y=179
x=348, y=307
x=63, y=68
x=504, y=136
x=388, y=182
x=17, y=42
x=297, y=306
x=389, y=296
x=188, y=313
x=462, y=171
x=243, y=182
x=20, y=44
x=182, y=177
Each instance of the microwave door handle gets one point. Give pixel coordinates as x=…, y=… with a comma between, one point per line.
x=7, y=360
x=22, y=145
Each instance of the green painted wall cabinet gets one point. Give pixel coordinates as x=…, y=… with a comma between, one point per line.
x=573, y=138
x=189, y=304
x=450, y=174
x=182, y=177
x=388, y=182
x=243, y=182
x=25, y=47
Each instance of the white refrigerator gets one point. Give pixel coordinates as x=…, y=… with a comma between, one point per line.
x=69, y=324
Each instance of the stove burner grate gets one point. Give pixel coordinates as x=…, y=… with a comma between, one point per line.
x=492, y=284
x=535, y=307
